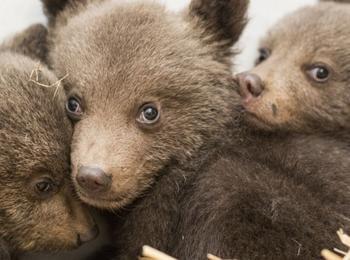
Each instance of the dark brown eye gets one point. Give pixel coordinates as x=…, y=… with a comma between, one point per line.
x=149, y=114
x=44, y=187
x=319, y=73
x=73, y=108
x=264, y=54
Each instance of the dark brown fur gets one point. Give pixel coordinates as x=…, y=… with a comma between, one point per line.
x=281, y=197
x=283, y=193
x=35, y=136
x=121, y=56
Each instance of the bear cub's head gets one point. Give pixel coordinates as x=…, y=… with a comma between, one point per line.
x=301, y=81
x=148, y=88
x=38, y=209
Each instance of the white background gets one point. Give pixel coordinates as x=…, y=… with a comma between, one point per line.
x=17, y=14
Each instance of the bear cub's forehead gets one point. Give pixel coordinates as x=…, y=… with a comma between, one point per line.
x=315, y=32
x=122, y=30
x=324, y=21
x=28, y=86
x=131, y=43
x=33, y=121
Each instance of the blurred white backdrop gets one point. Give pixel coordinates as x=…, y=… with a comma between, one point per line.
x=17, y=14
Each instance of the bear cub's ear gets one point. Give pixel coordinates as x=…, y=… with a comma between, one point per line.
x=221, y=22
x=31, y=42
x=53, y=7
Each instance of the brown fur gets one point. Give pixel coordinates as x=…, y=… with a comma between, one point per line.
x=156, y=57
x=277, y=197
x=35, y=138
x=281, y=193
x=313, y=35
x=266, y=196
x=121, y=56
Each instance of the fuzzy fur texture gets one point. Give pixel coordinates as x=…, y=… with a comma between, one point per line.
x=35, y=137
x=181, y=189
x=281, y=193
x=292, y=100
x=284, y=191
x=275, y=197
x=157, y=57
x=123, y=55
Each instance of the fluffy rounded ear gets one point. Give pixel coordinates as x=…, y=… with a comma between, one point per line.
x=31, y=42
x=220, y=22
x=53, y=7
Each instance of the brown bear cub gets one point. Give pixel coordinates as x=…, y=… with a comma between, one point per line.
x=299, y=87
x=283, y=192
x=302, y=76
x=151, y=94
x=38, y=209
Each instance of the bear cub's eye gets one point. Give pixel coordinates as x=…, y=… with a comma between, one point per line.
x=264, y=54
x=74, y=108
x=148, y=114
x=44, y=187
x=319, y=73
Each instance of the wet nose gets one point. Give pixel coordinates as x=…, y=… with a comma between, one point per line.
x=93, y=179
x=88, y=236
x=250, y=85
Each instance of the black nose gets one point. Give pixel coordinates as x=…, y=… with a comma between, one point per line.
x=88, y=236
x=250, y=84
x=93, y=179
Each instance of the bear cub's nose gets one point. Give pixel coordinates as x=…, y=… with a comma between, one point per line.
x=250, y=85
x=93, y=179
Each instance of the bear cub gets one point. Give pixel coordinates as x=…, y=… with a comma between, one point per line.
x=283, y=192
x=150, y=94
x=302, y=75
x=38, y=209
